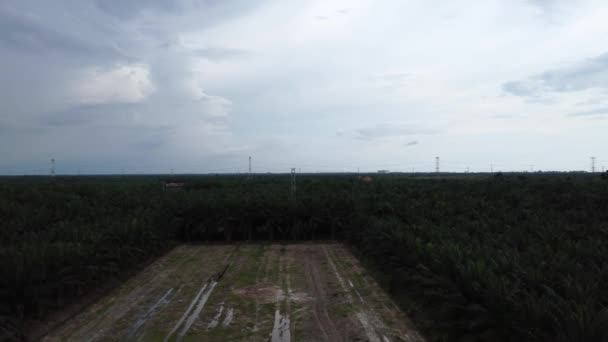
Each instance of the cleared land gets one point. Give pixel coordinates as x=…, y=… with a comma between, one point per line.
x=281, y=293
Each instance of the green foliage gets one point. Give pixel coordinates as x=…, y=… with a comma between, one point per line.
x=61, y=239
x=476, y=258
x=507, y=259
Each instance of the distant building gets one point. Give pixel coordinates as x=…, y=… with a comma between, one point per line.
x=365, y=179
x=172, y=185
x=383, y=171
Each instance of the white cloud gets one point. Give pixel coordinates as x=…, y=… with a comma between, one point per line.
x=119, y=84
x=191, y=79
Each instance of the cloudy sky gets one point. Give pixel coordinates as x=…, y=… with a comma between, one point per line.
x=109, y=86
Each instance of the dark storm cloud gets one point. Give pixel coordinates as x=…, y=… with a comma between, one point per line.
x=128, y=9
x=588, y=74
x=19, y=32
x=51, y=51
x=149, y=144
x=111, y=115
x=89, y=114
x=196, y=14
x=4, y=127
x=109, y=123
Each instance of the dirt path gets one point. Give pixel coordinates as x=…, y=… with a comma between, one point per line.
x=316, y=285
x=278, y=293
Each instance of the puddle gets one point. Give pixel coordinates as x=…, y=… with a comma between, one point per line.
x=280, y=329
x=194, y=316
x=166, y=298
x=356, y=291
x=228, y=318
x=267, y=294
x=216, y=319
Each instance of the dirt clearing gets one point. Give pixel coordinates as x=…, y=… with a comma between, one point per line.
x=282, y=293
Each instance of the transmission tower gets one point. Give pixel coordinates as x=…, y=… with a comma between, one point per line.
x=53, y=167
x=249, y=167
x=592, y=164
x=293, y=184
x=437, y=164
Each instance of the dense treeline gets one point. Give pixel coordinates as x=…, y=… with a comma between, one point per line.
x=506, y=259
x=489, y=258
x=60, y=239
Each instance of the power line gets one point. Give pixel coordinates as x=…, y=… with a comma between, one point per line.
x=144, y=167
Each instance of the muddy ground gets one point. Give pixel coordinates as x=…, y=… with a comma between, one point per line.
x=278, y=293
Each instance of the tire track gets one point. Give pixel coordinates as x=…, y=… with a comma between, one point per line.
x=281, y=329
x=236, y=265
x=338, y=276
x=257, y=281
x=157, y=273
x=322, y=319
x=181, y=320
x=201, y=297
x=197, y=311
x=374, y=327
x=313, y=292
x=165, y=299
x=365, y=316
x=216, y=319
x=288, y=268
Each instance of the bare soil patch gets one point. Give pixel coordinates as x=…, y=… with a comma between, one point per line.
x=283, y=293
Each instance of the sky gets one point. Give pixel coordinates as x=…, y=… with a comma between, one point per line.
x=198, y=86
